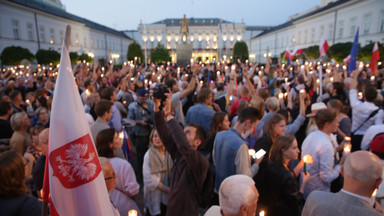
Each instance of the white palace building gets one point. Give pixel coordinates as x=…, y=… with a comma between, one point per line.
x=40, y=24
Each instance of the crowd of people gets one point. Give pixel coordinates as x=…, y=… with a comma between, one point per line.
x=208, y=138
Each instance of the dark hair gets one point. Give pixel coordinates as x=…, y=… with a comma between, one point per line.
x=170, y=83
x=217, y=118
x=300, y=79
x=103, y=139
x=200, y=133
x=87, y=83
x=12, y=175
x=284, y=113
x=338, y=86
x=250, y=113
x=102, y=106
x=4, y=107
x=107, y=93
x=370, y=94
x=323, y=116
x=281, y=142
x=13, y=94
x=268, y=130
x=203, y=95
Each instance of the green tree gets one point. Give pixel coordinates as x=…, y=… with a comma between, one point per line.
x=85, y=57
x=47, y=56
x=14, y=54
x=339, y=51
x=74, y=57
x=365, y=53
x=240, y=51
x=160, y=55
x=312, y=52
x=134, y=50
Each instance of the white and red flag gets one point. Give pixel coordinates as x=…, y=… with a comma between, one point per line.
x=347, y=59
x=76, y=182
x=323, y=47
x=375, y=58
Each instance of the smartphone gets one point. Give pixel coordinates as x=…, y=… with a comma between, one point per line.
x=259, y=154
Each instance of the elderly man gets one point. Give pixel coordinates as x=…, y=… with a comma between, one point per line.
x=20, y=139
x=238, y=196
x=362, y=175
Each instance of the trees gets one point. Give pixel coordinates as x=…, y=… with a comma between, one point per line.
x=240, y=51
x=134, y=50
x=47, y=56
x=160, y=54
x=365, y=53
x=14, y=54
x=339, y=51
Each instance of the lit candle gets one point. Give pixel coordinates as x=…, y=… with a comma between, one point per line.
x=251, y=152
x=360, y=95
x=347, y=145
x=307, y=160
x=344, y=67
x=374, y=193
x=233, y=67
x=337, y=65
x=27, y=101
x=372, y=78
x=286, y=79
x=121, y=135
x=302, y=91
x=281, y=95
x=262, y=213
x=125, y=102
x=285, y=94
x=201, y=82
x=102, y=68
x=331, y=79
x=87, y=92
x=218, y=72
x=132, y=213
x=102, y=75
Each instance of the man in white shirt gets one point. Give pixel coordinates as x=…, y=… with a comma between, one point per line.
x=361, y=111
x=323, y=147
x=362, y=172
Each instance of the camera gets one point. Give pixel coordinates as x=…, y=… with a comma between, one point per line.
x=159, y=93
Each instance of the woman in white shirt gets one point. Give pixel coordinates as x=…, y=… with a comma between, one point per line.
x=156, y=170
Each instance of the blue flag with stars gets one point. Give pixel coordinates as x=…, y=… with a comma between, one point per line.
x=354, y=51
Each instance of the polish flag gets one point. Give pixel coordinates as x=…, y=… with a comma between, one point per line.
x=323, y=47
x=76, y=182
x=297, y=51
x=287, y=53
x=375, y=58
x=347, y=59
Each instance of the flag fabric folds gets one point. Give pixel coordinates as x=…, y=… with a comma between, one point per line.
x=353, y=54
x=323, y=47
x=375, y=58
x=76, y=182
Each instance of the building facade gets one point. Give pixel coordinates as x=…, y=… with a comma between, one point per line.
x=41, y=24
x=337, y=20
x=211, y=38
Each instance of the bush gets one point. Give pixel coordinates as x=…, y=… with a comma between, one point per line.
x=365, y=53
x=14, y=54
x=74, y=57
x=47, y=56
x=160, y=55
x=134, y=50
x=340, y=51
x=240, y=51
x=85, y=57
x=312, y=52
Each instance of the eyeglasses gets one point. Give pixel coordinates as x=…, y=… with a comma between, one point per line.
x=109, y=178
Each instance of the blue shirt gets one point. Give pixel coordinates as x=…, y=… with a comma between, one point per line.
x=200, y=114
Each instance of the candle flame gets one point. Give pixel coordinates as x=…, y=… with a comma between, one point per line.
x=132, y=213
x=308, y=159
x=262, y=213
x=121, y=135
x=281, y=95
x=347, y=139
x=251, y=152
x=374, y=193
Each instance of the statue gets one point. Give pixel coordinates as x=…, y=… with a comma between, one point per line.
x=184, y=31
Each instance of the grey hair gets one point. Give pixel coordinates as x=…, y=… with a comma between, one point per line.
x=272, y=103
x=234, y=192
x=361, y=173
x=16, y=120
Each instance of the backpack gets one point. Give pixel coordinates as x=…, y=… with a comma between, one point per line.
x=205, y=196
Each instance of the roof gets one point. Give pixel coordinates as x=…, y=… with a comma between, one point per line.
x=257, y=28
x=55, y=11
x=192, y=22
x=311, y=13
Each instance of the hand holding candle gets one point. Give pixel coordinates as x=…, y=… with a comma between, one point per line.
x=308, y=159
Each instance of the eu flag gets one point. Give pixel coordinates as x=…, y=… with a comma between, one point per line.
x=353, y=54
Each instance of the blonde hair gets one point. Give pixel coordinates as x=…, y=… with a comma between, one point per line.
x=273, y=104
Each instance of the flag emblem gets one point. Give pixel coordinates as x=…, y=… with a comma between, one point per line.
x=75, y=163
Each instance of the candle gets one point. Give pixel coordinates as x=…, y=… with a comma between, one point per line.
x=331, y=79
x=360, y=95
x=286, y=79
x=87, y=92
x=132, y=213
x=281, y=95
x=307, y=160
x=372, y=78
x=302, y=91
x=102, y=75
x=201, y=82
x=262, y=213
x=233, y=67
x=218, y=72
x=121, y=135
x=251, y=152
x=374, y=193
x=27, y=101
x=337, y=65
x=344, y=67
x=125, y=102
x=102, y=68
x=285, y=94
x=347, y=145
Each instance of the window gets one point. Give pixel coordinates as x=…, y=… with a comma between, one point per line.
x=85, y=43
x=30, y=31
x=15, y=27
x=299, y=38
x=42, y=34
x=92, y=43
x=305, y=36
x=367, y=23
x=51, y=36
x=313, y=35
x=353, y=26
x=330, y=31
x=341, y=28
x=382, y=22
x=61, y=36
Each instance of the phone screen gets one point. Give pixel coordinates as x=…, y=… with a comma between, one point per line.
x=259, y=154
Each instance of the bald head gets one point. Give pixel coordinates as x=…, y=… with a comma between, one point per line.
x=43, y=140
x=363, y=166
